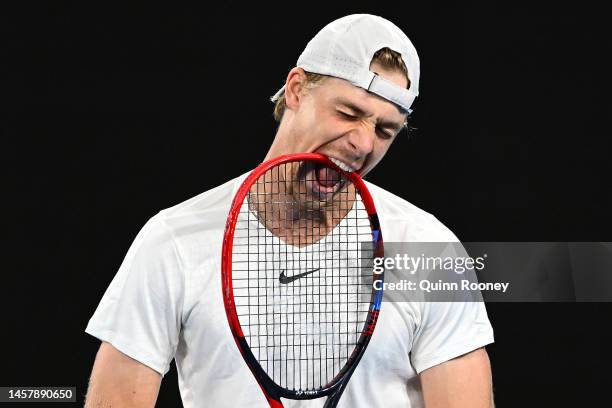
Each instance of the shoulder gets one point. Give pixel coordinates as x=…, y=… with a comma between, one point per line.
x=216, y=199
x=196, y=225
x=404, y=221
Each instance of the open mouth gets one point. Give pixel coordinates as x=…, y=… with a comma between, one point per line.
x=327, y=178
x=322, y=181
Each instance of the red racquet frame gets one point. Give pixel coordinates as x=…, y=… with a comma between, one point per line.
x=272, y=391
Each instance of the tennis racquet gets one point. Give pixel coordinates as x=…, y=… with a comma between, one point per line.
x=297, y=276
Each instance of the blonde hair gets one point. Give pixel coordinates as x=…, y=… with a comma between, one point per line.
x=386, y=57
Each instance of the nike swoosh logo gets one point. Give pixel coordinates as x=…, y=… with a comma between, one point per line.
x=284, y=279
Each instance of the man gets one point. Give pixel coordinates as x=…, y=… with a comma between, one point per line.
x=348, y=98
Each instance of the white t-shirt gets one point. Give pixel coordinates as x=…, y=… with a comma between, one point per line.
x=165, y=302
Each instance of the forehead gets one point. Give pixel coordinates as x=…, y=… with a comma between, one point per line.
x=340, y=91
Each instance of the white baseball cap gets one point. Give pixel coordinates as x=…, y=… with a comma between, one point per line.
x=344, y=49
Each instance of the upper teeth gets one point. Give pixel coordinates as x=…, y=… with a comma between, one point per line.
x=342, y=165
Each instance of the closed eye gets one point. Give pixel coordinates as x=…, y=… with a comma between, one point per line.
x=347, y=115
x=379, y=131
x=384, y=134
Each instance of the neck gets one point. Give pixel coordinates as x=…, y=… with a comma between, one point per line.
x=295, y=220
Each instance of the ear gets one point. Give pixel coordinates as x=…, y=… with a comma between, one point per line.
x=294, y=87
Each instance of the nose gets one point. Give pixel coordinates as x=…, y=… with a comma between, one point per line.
x=360, y=140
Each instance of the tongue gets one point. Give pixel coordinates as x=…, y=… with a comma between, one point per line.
x=327, y=177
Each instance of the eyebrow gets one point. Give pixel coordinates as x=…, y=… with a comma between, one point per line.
x=360, y=112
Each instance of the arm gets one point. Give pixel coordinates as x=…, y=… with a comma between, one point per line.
x=120, y=381
x=463, y=382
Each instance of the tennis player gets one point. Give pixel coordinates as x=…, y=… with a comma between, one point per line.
x=348, y=98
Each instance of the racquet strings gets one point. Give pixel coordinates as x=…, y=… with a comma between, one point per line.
x=300, y=291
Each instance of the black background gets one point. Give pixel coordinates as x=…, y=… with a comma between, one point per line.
x=114, y=114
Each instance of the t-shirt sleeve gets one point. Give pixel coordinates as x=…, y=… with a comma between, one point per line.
x=140, y=313
x=448, y=330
